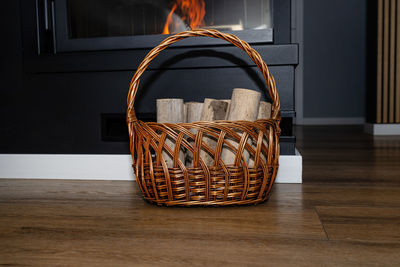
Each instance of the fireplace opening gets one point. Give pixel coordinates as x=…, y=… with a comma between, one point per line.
x=104, y=18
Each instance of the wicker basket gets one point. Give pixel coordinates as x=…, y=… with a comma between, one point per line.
x=219, y=184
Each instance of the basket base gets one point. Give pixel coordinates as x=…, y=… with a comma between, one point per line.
x=217, y=187
x=208, y=203
x=199, y=188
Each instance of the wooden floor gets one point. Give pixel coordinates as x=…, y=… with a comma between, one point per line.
x=347, y=213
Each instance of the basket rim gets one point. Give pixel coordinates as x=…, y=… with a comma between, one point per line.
x=207, y=122
x=275, y=123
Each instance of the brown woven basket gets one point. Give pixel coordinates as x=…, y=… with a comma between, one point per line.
x=219, y=184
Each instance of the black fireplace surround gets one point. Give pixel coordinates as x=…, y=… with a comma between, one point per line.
x=75, y=92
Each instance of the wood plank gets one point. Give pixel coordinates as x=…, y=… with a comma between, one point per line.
x=361, y=223
x=335, y=194
x=107, y=223
x=379, y=63
x=397, y=111
x=100, y=208
x=385, y=99
x=345, y=154
x=194, y=250
x=392, y=57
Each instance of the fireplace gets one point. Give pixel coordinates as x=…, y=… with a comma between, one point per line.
x=84, y=52
x=103, y=18
x=126, y=24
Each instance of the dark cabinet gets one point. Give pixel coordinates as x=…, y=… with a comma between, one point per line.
x=78, y=84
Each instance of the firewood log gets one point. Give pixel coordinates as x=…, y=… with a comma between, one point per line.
x=244, y=106
x=212, y=110
x=170, y=110
x=264, y=112
x=194, y=110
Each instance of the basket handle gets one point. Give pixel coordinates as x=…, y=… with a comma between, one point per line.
x=253, y=54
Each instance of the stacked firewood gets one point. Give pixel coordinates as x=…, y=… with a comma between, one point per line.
x=244, y=104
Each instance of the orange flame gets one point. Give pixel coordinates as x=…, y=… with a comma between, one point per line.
x=192, y=12
x=169, y=20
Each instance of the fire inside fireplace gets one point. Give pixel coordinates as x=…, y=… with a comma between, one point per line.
x=104, y=18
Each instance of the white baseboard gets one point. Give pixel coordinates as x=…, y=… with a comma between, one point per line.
x=290, y=169
x=333, y=121
x=382, y=129
x=55, y=166
x=103, y=167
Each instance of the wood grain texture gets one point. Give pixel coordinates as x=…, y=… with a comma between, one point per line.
x=349, y=221
x=361, y=223
x=213, y=109
x=345, y=154
x=385, y=93
x=379, y=63
x=193, y=114
x=397, y=111
x=264, y=110
x=392, y=58
x=171, y=110
x=193, y=111
x=388, y=62
x=244, y=106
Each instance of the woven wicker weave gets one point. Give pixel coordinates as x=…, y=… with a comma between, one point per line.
x=219, y=184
